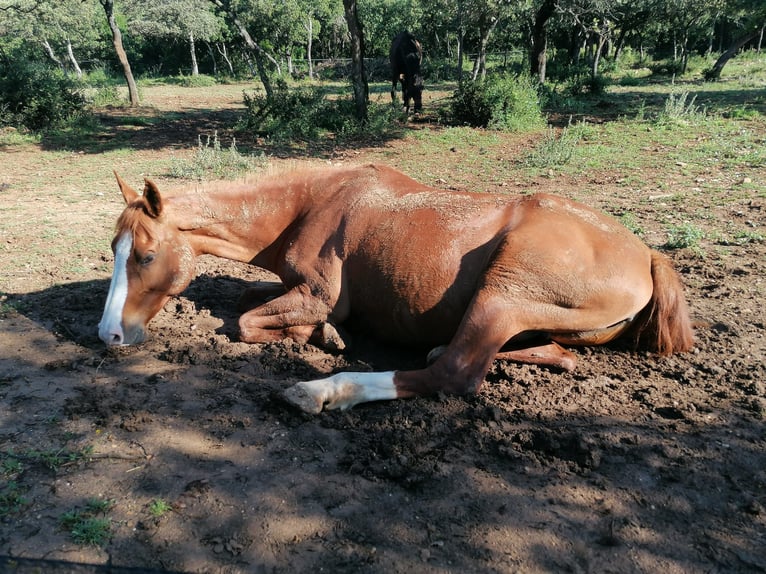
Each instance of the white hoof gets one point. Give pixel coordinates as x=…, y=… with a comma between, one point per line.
x=301, y=396
x=341, y=391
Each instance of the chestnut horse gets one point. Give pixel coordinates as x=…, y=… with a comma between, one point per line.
x=406, y=56
x=481, y=275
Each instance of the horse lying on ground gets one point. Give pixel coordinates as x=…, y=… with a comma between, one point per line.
x=406, y=56
x=481, y=275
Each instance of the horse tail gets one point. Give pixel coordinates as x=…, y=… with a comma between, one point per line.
x=663, y=326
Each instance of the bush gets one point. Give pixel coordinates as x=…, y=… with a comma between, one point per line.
x=211, y=159
x=288, y=113
x=306, y=113
x=552, y=150
x=198, y=81
x=509, y=103
x=36, y=96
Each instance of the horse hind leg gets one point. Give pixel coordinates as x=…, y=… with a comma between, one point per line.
x=460, y=369
x=548, y=354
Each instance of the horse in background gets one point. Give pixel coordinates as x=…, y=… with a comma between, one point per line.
x=406, y=56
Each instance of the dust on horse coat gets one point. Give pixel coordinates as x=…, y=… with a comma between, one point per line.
x=484, y=275
x=406, y=56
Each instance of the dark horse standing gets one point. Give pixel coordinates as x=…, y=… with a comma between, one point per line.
x=406, y=55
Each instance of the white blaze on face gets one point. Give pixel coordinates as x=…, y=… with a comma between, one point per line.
x=110, y=328
x=342, y=391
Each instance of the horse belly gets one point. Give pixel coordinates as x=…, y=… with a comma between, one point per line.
x=420, y=306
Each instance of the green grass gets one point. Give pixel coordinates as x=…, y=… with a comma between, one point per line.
x=12, y=498
x=158, y=507
x=86, y=526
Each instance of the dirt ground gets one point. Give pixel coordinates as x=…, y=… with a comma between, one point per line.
x=631, y=463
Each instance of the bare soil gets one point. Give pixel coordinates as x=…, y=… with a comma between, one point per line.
x=631, y=463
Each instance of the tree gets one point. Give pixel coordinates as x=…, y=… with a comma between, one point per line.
x=482, y=16
x=686, y=19
x=188, y=20
x=750, y=15
x=358, y=72
x=258, y=52
x=538, y=51
x=108, y=6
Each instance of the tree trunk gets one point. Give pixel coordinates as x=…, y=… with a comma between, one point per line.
x=72, y=59
x=52, y=55
x=309, y=43
x=212, y=58
x=108, y=6
x=460, y=54
x=714, y=73
x=481, y=60
x=358, y=73
x=193, y=51
x=224, y=54
x=599, y=44
x=538, y=53
x=620, y=44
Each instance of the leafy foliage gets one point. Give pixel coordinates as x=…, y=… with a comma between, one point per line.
x=685, y=235
x=307, y=113
x=554, y=150
x=36, y=96
x=509, y=103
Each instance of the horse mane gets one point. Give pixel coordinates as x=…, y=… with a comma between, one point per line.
x=134, y=216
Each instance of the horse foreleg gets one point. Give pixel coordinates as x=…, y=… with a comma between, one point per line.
x=259, y=294
x=296, y=315
x=342, y=391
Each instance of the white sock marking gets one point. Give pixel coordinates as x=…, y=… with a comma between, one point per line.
x=342, y=391
x=110, y=327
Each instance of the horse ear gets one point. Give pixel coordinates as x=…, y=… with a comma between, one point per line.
x=128, y=192
x=153, y=198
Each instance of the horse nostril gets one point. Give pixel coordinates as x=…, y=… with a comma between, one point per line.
x=115, y=339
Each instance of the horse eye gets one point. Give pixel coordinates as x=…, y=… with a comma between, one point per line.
x=147, y=259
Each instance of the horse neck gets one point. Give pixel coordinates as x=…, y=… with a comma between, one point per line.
x=242, y=222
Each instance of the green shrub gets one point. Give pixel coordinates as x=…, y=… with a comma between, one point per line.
x=684, y=235
x=211, y=159
x=198, y=81
x=552, y=150
x=679, y=109
x=508, y=103
x=36, y=96
x=306, y=113
x=300, y=112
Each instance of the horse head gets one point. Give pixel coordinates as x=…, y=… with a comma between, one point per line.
x=152, y=262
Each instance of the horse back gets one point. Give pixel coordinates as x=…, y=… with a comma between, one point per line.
x=405, y=55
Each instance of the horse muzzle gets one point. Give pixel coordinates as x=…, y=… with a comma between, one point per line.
x=116, y=336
